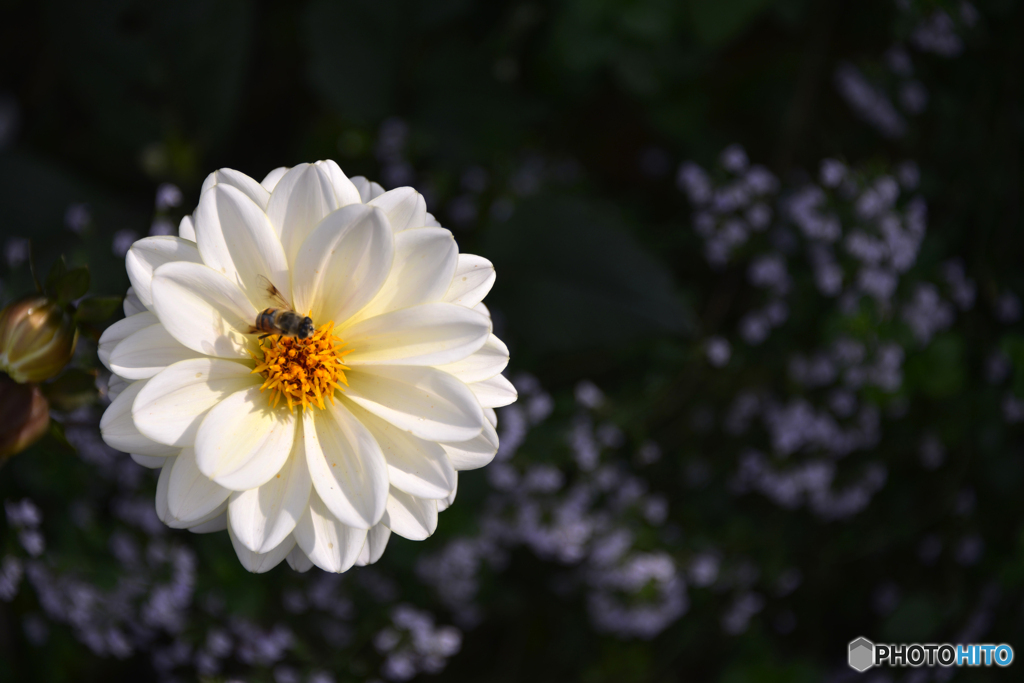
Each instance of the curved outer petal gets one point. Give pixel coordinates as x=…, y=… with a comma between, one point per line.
x=236, y=239
x=163, y=512
x=132, y=304
x=242, y=443
x=428, y=334
x=411, y=517
x=431, y=222
x=263, y=517
x=150, y=253
x=120, y=330
x=367, y=190
x=218, y=523
x=404, y=206
x=191, y=496
x=376, y=542
x=273, y=178
x=491, y=416
x=494, y=392
x=420, y=468
x=171, y=406
x=474, y=277
x=300, y=200
x=298, y=561
x=203, y=310
x=115, y=385
x=119, y=431
x=153, y=462
x=343, y=263
x=328, y=543
x=446, y=503
x=187, y=229
x=146, y=352
x=485, y=363
x=425, y=260
x=475, y=453
x=239, y=181
x=257, y=563
x=348, y=469
x=346, y=192
x=429, y=403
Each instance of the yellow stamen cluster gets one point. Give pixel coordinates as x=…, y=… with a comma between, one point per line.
x=302, y=371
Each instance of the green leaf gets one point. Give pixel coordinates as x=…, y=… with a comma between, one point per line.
x=570, y=276
x=57, y=272
x=73, y=389
x=96, y=309
x=73, y=285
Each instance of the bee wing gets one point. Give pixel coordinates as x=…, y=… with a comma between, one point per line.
x=272, y=292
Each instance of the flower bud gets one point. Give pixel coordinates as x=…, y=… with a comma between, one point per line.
x=24, y=416
x=37, y=339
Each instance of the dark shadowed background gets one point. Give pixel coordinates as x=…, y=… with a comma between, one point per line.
x=758, y=269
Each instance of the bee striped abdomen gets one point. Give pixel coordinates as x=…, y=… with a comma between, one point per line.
x=265, y=321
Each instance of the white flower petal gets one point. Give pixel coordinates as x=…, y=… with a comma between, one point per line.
x=404, y=206
x=163, y=511
x=239, y=181
x=146, y=352
x=119, y=431
x=425, y=260
x=367, y=190
x=418, y=467
x=411, y=517
x=203, y=309
x=122, y=329
x=300, y=200
x=115, y=385
x=273, y=178
x=298, y=561
x=242, y=443
x=171, y=406
x=474, y=277
x=446, y=503
x=132, y=304
x=218, y=523
x=191, y=495
x=328, y=543
x=260, y=563
x=187, y=229
x=262, y=517
x=150, y=253
x=475, y=453
x=376, y=542
x=483, y=364
x=430, y=403
x=491, y=416
x=428, y=334
x=494, y=392
x=343, y=263
x=346, y=192
x=236, y=239
x=348, y=469
x=153, y=462
x=431, y=222
x=481, y=308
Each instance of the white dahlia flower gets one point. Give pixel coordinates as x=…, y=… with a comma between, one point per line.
x=306, y=448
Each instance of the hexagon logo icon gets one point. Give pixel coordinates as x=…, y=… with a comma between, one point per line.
x=862, y=654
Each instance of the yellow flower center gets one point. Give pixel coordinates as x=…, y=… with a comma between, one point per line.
x=302, y=371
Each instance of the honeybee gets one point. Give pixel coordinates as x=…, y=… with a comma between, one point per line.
x=280, y=319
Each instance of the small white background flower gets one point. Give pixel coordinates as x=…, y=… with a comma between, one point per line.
x=312, y=450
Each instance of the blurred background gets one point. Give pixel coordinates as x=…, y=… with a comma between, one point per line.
x=758, y=269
